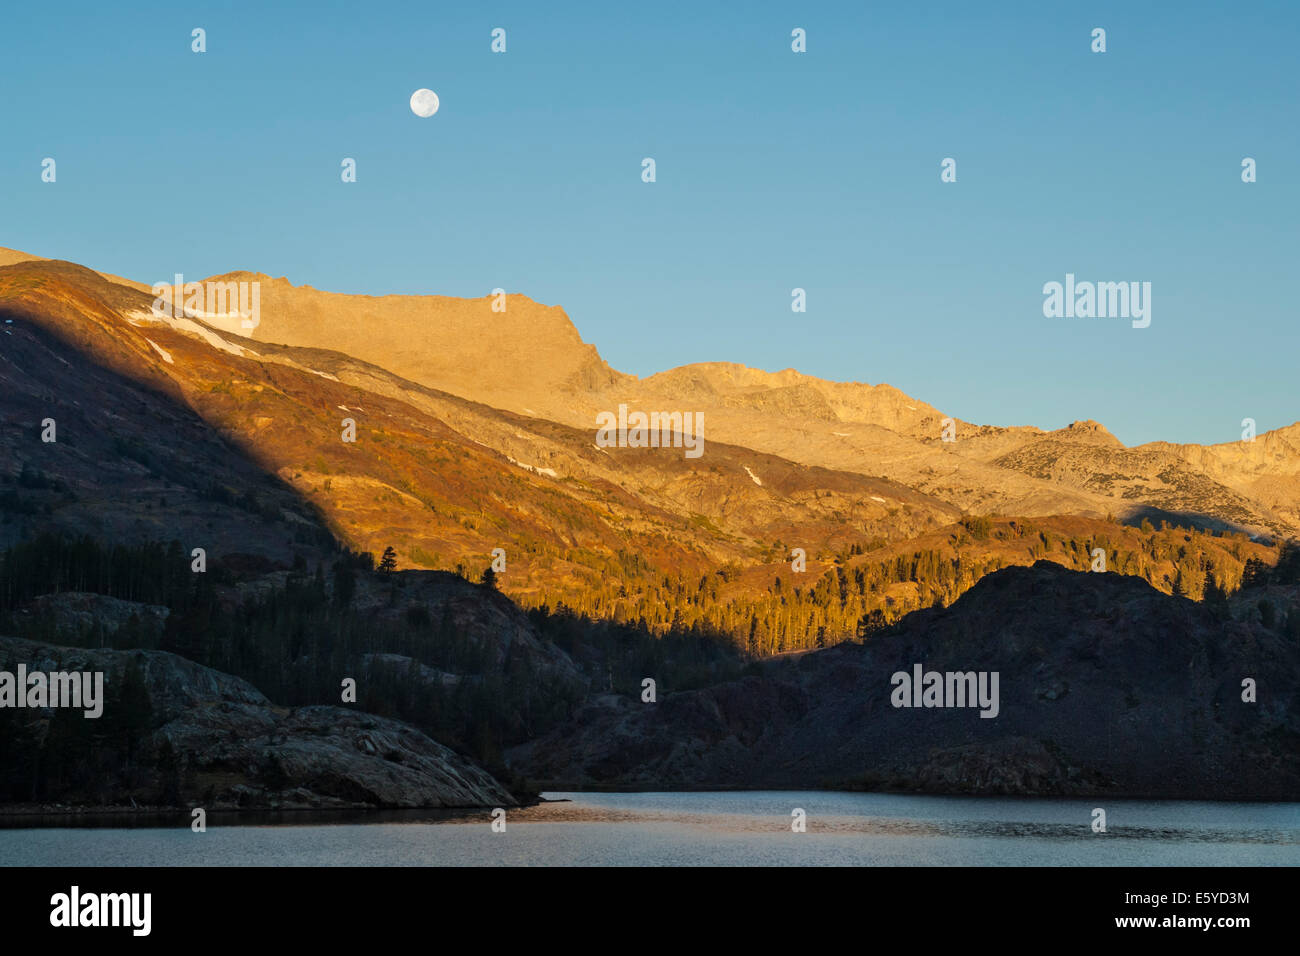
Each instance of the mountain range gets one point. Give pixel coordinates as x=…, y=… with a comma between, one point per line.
x=820, y=513
x=512, y=397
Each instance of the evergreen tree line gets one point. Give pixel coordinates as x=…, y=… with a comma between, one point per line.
x=296, y=643
x=96, y=760
x=860, y=594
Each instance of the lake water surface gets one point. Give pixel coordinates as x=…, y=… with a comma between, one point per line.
x=731, y=829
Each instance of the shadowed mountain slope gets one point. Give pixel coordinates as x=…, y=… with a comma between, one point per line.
x=1106, y=687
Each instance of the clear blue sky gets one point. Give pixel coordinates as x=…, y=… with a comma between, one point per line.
x=775, y=170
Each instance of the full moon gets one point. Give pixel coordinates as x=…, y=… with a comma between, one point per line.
x=424, y=102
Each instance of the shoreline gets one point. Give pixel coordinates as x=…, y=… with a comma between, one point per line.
x=37, y=816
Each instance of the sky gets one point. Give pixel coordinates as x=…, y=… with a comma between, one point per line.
x=775, y=170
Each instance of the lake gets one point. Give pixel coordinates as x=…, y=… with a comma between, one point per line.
x=731, y=829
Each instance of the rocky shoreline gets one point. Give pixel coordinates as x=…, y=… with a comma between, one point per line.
x=202, y=738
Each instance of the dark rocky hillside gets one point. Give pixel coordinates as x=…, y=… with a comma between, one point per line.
x=175, y=733
x=1106, y=686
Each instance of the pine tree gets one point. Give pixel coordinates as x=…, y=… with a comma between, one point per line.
x=345, y=582
x=1214, y=596
x=1254, y=574
x=388, y=563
